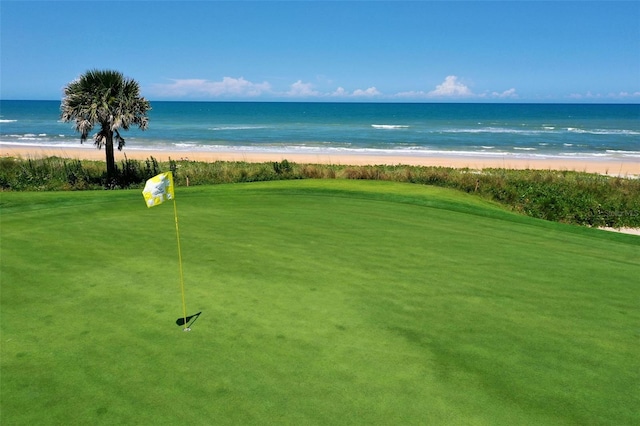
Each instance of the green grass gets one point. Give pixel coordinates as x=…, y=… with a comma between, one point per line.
x=324, y=302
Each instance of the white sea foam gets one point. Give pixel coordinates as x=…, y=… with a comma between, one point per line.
x=617, y=151
x=222, y=128
x=604, y=131
x=632, y=154
x=25, y=142
x=613, y=132
x=316, y=149
x=546, y=130
x=8, y=121
x=495, y=130
x=389, y=126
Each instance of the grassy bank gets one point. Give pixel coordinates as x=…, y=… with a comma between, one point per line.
x=324, y=302
x=562, y=196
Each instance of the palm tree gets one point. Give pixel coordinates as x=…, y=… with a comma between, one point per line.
x=109, y=99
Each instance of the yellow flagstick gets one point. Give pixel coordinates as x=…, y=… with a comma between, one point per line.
x=184, y=305
x=157, y=190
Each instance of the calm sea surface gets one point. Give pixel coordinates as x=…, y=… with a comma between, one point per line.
x=517, y=130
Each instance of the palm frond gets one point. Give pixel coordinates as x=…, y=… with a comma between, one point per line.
x=120, y=140
x=106, y=98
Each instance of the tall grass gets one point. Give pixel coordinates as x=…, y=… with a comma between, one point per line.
x=562, y=196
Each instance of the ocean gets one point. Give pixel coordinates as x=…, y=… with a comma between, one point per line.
x=606, y=131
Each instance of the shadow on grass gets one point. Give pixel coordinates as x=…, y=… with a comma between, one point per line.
x=188, y=321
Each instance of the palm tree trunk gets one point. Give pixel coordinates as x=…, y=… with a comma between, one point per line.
x=111, y=162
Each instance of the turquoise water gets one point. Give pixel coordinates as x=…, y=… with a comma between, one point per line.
x=518, y=130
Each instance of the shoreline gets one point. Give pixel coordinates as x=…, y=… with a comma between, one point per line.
x=623, y=168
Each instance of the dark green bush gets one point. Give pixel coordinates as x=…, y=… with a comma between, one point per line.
x=282, y=168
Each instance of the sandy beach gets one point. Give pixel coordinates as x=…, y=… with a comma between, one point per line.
x=618, y=167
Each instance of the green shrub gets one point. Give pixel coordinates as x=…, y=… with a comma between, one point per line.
x=282, y=168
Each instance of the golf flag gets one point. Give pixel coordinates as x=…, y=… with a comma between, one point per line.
x=158, y=189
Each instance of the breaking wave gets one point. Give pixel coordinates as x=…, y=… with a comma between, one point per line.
x=389, y=126
x=603, y=131
x=224, y=128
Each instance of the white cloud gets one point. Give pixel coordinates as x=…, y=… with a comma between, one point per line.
x=228, y=87
x=591, y=96
x=511, y=93
x=370, y=92
x=588, y=95
x=451, y=87
x=300, y=89
x=340, y=92
x=412, y=94
x=624, y=95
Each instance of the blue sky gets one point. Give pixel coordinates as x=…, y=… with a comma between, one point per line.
x=394, y=51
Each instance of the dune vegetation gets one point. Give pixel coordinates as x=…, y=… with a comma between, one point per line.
x=562, y=196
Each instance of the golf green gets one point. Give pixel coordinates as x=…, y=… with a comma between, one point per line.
x=323, y=302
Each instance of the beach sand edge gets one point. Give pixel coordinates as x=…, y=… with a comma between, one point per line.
x=622, y=167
